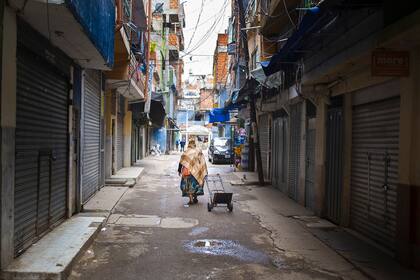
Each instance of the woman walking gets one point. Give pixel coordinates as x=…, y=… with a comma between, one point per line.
x=193, y=169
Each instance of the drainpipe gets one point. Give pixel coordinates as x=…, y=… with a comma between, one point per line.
x=119, y=22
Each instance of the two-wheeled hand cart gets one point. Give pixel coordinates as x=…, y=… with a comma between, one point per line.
x=217, y=193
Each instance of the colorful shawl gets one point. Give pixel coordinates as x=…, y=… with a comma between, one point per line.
x=193, y=159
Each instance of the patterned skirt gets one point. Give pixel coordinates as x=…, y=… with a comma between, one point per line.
x=189, y=185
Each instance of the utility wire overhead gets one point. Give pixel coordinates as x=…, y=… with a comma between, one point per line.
x=196, y=25
x=209, y=32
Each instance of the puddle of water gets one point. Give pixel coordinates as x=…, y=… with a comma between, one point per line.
x=226, y=248
x=207, y=243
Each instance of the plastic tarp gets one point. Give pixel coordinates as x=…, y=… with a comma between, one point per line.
x=314, y=19
x=218, y=115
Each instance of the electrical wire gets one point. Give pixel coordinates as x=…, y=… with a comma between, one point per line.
x=288, y=14
x=203, y=22
x=196, y=25
x=209, y=31
x=204, y=38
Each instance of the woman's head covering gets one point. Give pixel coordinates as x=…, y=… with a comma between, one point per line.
x=191, y=144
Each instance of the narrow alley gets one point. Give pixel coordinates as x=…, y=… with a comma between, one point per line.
x=153, y=234
x=209, y=139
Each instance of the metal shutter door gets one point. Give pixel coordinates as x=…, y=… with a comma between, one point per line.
x=91, y=133
x=264, y=135
x=120, y=141
x=310, y=165
x=41, y=148
x=334, y=164
x=280, y=155
x=295, y=132
x=375, y=152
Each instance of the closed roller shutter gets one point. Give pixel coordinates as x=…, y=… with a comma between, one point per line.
x=264, y=135
x=280, y=154
x=334, y=163
x=310, y=165
x=91, y=134
x=295, y=133
x=374, y=176
x=41, y=148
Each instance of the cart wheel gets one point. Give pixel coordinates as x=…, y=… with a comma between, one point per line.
x=209, y=207
x=230, y=207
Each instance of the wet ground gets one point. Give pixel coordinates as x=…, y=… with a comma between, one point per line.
x=153, y=234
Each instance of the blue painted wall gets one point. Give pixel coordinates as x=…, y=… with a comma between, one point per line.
x=98, y=20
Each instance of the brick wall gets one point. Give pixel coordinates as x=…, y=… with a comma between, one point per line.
x=221, y=68
x=222, y=39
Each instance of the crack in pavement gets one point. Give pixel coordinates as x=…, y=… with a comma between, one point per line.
x=304, y=264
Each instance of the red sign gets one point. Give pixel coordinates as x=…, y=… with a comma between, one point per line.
x=390, y=63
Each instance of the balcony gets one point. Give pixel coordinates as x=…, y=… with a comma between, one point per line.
x=84, y=30
x=125, y=78
x=173, y=11
x=173, y=46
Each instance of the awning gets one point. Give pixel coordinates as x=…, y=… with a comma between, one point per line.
x=157, y=110
x=241, y=97
x=273, y=81
x=219, y=115
x=313, y=21
x=247, y=90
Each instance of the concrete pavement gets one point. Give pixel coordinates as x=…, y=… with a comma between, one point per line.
x=52, y=257
x=153, y=234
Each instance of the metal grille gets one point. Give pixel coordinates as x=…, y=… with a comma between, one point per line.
x=295, y=134
x=374, y=176
x=280, y=155
x=310, y=165
x=264, y=130
x=334, y=163
x=91, y=134
x=41, y=148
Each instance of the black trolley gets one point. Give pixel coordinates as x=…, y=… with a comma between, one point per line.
x=217, y=193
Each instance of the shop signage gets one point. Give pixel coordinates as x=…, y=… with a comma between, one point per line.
x=221, y=49
x=231, y=48
x=149, y=88
x=390, y=63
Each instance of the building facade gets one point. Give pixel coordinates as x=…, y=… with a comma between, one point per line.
x=335, y=115
x=67, y=109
